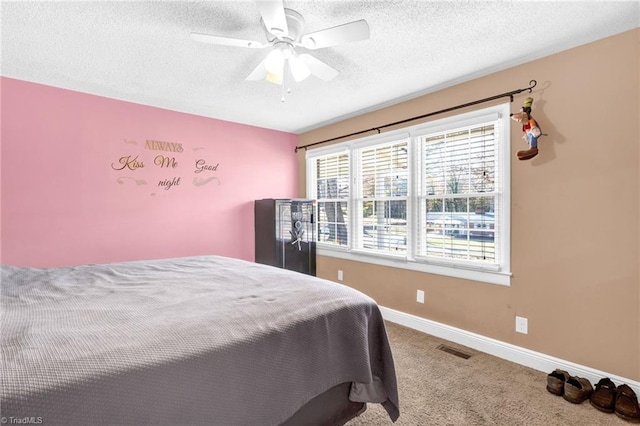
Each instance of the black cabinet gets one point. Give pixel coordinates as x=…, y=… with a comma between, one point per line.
x=285, y=234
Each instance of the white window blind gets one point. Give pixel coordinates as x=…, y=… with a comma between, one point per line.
x=458, y=194
x=382, y=201
x=332, y=191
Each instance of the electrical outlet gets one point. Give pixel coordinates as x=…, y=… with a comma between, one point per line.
x=420, y=296
x=340, y=275
x=522, y=325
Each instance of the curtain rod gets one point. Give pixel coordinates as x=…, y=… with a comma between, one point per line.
x=532, y=84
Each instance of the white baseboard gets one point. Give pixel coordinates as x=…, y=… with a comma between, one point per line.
x=528, y=358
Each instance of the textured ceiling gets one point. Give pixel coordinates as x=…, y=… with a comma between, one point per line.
x=141, y=51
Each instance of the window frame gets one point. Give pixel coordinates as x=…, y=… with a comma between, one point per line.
x=336, y=200
x=359, y=198
x=498, y=273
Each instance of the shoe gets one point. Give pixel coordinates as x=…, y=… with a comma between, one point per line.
x=604, y=396
x=626, y=406
x=556, y=381
x=577, y=389
x=529, y=153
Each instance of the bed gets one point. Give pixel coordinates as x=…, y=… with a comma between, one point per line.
x=203, y=340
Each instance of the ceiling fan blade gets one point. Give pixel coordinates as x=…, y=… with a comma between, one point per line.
x=227, y=41
x=319, y=68
x=259, y=73
x=273, y=16
x=345, y=33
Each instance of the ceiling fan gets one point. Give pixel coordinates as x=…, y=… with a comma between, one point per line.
x=284, y=30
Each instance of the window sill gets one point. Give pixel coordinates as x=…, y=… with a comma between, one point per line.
x=467, y=273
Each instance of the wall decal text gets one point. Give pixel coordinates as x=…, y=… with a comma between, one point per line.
x=146, y=160
x=163, y=146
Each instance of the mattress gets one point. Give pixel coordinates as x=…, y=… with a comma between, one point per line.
x=195, y=340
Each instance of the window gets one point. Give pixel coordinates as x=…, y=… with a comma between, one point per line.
x=332, y=192
x=432, y=197
x=382, y=198
x=457, y=194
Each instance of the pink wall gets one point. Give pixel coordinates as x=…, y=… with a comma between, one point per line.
x=64, y=201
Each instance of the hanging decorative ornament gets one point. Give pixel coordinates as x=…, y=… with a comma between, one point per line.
x=530, y=128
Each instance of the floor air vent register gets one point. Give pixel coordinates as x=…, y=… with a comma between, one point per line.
x=452, y=351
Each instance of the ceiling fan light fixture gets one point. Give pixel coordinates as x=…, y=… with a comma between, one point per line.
x=299, y=68
x=275, y=78
x=274, y=62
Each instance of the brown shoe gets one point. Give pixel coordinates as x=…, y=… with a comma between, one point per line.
x=529, y=153
x=556, y=380
x=577, y=389
x=627, y=404
x=604, y=396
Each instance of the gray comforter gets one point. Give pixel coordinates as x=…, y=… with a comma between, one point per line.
x=198, y=340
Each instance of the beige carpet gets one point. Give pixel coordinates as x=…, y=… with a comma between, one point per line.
x=438, y=388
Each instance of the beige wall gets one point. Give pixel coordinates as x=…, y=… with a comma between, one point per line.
x=575, y=213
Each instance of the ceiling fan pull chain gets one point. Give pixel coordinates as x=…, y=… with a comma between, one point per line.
x=285, y=80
